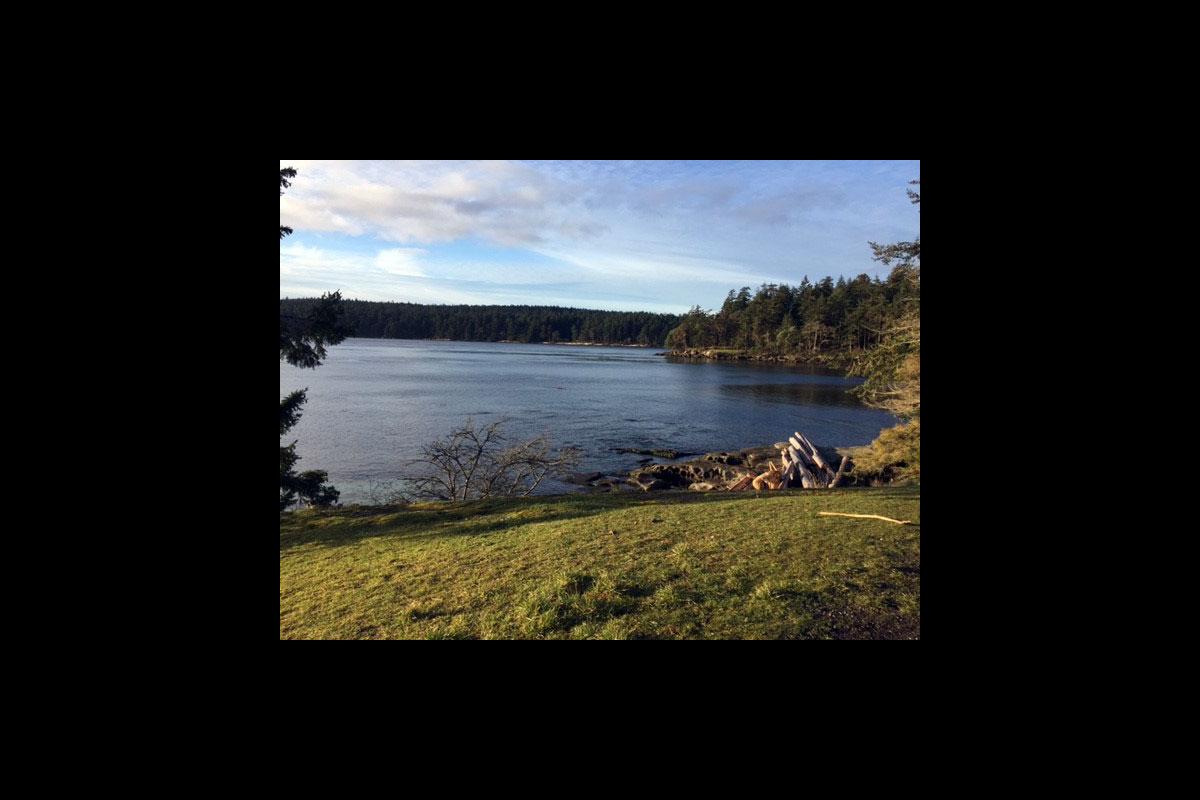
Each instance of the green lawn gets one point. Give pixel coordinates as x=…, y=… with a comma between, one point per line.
x=607, y=566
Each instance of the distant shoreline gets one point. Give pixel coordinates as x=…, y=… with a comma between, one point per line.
x=503, y=341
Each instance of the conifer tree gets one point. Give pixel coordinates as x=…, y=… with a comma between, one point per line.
x=893, y=368
x=302, y=342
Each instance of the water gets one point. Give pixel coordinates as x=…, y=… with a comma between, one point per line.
x=374, y=402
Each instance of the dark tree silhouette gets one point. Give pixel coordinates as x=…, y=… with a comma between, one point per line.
x=302, y=342
x=303, y=337
x=907, y=254
x=284, y=174
x=374, y=320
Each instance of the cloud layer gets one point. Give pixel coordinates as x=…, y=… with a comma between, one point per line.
x=662, y=235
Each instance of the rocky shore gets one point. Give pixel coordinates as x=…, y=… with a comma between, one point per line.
x=828, y=360
x=710, y=472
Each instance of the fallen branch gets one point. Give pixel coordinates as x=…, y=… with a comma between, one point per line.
x=841, y=471
x=799, y=462
x=865, y=516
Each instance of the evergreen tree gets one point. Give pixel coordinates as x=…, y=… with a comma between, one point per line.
x=302, y=342
x=480, y=323
x=893, y=368
x=284, y=174
x=831, y=317
x=310, y=485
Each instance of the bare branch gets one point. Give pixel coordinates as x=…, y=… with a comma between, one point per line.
x=471, y=463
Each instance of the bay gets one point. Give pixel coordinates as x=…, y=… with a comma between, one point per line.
x=374, y=402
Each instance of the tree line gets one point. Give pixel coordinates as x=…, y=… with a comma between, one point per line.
x=817, y=317
x=778, y=318
x=374, y=320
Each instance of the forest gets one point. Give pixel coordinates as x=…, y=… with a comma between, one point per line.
x=373, y=320
x=809, y=318
x=780, y=319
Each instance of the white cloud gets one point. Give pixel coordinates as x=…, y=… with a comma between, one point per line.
x=305, y=270
x=636, y=234
x=400, y=261
x=298, y=260
x=628, y=264
x=507, y=203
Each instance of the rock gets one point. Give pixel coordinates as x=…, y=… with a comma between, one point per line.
x=655, y=474
x=724, y=458
x=583, y=478
x=664, y=453
x=757, y=457
x=703, y=486
x=681, y=476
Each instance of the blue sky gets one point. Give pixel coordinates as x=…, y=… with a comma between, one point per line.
x=623, y=235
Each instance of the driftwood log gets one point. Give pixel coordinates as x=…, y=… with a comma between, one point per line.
x=741, y=484
x=805, y=467
x=816, y=454
x=864, y=516
x=772, y=479
x=799, y=462
x=841, y=471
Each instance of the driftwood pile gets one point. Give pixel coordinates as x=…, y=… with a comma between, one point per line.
x=800, y=464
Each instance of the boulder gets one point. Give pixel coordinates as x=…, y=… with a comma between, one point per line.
x=681, y=476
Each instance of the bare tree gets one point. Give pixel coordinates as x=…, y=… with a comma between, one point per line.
x=473, y=463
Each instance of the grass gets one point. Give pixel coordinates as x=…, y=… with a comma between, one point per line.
x=895, y=456
x=607, y=566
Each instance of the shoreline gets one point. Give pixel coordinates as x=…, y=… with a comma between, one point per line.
x=500, y=341
x=835, y=360
x=694, y=472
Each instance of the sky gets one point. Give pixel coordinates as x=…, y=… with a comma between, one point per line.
x=657, y=236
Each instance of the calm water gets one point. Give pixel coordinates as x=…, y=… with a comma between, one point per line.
x=374, y=402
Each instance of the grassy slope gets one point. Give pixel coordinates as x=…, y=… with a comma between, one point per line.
x=659, y=566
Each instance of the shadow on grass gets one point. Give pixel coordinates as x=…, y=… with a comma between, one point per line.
x=484, y=517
